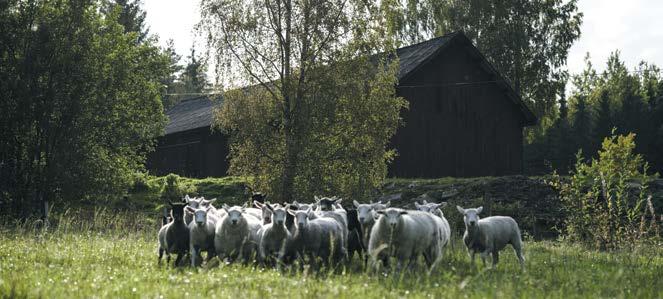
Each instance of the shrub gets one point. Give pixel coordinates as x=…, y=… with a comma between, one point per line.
x=172, y=190
x=607, y=201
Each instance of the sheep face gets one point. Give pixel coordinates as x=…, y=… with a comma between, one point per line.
x=328, y=203
x=200, y=214
x=177, y=210
x=193, y=201
x=266, y=212
x=364, y=212
x=471, y=216
x=392, y=216
x=301, y=217
x=235, y=214
x=278, y=214
x=429, y=206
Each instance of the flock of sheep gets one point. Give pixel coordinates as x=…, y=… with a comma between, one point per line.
x=324, y=232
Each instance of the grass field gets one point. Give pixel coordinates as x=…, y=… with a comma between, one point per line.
x=116, y=257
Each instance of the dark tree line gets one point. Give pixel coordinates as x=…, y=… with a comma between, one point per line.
x=620, y=99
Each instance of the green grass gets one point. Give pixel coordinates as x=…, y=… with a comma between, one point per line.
x=88, y=259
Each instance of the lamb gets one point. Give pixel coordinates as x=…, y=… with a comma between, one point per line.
x=174, y=236
x=490, y=235
x=318, y=238
x=331, y=207
x=366, y=214
x=275, y=238
x=266, y=215
x=236, y=234
x=435, y=209
x=405, y=235
x=201, y=232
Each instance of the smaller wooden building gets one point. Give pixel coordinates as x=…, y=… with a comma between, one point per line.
x=464, y=119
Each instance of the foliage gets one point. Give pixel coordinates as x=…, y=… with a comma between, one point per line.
x=606, y=200
x=80, y=103
x=131, y=17
x=111, y=256
x=527, y=41
x=629, y=100
x=323, y=106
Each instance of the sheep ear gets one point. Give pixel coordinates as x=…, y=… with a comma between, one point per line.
x=316, y=198
x=479, y=209
x=388, y=204
x=403, y=212
x=226, y=207
x=417, y=205
x=442, y=204
x=211, y=201
x=257, y=204
x=187, y=198
x=381, y=212
x=291, y=212
x=356, y=203
x=338, y=201
x=425, y=202
x=209, y=209
x=270, y=207
x=461, y=210
x=189, y=209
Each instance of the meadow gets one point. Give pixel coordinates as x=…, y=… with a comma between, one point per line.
x=114, y=255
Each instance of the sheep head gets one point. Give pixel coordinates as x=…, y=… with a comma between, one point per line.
x=392, y=216
x=177, y=210
x=470, y=216
x=278, y=214
x=234, y=214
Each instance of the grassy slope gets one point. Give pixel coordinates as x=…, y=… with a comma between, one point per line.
x=88, y=262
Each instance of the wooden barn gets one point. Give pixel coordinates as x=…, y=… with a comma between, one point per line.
x=464, y=120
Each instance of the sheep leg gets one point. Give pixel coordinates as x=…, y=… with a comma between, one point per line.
x=484, y=255
x=472, y=253
x=178, y=259
x=496, y=258
x=519, y=253
x=194, y=255
x=160, y=255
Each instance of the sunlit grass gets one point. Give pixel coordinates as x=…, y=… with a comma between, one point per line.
x=83, y=260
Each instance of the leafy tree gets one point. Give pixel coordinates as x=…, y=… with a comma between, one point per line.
x=80, y=103
x=322, y=106
x=607, y=201
x=131, y=17
x=527, y=41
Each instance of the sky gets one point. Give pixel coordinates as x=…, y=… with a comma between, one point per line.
x=635, y=27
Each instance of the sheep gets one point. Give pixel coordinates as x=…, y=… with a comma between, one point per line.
x=275, y=238
x=366, y=214
x=174, y=236
x=236, y=234
x=355, y=243
x=194, y=203
x=266, y=215
x=405, y=235
x=201, y=232
x=436, y=209
x=331, y=207
x=490, y=235
x=318, y=238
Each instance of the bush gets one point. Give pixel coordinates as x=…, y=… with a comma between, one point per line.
x=607, y=202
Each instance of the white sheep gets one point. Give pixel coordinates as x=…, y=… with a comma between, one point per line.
x=490, y=235
x=266, y=212
x=331, y=208
x=405, y=235
x=174, y=236
x=318, y=238
x=436, y=209
x=236, y=234
x=201, y=232
x=275, y=238
x=193, y=202
x=366, y=214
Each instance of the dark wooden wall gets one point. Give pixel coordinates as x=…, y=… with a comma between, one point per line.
x=194, y=153
x=459, y=130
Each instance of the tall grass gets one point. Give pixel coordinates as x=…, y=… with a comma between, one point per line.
x=109, y=254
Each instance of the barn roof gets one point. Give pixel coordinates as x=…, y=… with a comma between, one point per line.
x=190, y=114
x=197, y=112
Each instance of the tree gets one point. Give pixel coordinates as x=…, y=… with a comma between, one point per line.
x=131, y=17
x=604, y=123
x=527, y=41
x=194, y=77
x=171, y=81
x=320, y=105
x=81, y=103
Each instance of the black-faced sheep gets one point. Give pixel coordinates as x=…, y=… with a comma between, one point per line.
x=174, y=236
